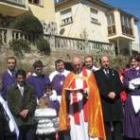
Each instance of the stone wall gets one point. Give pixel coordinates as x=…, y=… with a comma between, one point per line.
x=61, y=48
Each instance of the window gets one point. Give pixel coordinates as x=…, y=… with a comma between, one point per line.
x=58, y=1
x=94, y=15
x=126, y=25
x=111, y=24
x=37, y=2
x=20, y=2
x=66, y=17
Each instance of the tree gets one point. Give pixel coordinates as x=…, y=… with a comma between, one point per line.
x=28, y=24
x=19, y=46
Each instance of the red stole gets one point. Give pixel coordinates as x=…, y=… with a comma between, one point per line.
x=75, y=100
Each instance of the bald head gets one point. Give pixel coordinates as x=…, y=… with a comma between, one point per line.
x=76, y=60
x=104, y=62
x=77, y=64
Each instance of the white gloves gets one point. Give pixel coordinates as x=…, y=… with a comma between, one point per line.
x=53, y=97
x=133, y=84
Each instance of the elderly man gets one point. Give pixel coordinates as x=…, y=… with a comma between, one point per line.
x=80, y=108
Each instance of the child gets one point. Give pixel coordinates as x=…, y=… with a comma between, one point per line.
x=46, y=115
x=52, y=96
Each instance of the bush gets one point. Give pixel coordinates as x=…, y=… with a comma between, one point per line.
x=28, y=24
x=119, y=62
x=19, y=46
x=43, y=46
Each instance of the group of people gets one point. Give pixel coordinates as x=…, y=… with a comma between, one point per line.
x=87, y=100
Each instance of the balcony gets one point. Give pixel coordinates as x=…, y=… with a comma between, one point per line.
x=115, y=32
x=121, y=25
x=13, y=7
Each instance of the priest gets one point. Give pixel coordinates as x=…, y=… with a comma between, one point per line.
x=80, y=109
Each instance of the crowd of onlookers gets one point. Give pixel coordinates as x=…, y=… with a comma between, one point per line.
x=88, y=103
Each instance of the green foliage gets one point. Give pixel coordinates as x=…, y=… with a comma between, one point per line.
x=19, y=46
x=43, y=46
x=119, y=62
x=28, y=24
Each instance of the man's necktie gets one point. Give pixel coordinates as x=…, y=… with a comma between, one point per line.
x=107, y=73
x=21, y=88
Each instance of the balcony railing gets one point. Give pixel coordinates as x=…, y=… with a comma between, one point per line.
x=17, y=2
x=7, y=35
x=127, y=30
x=59, y=43
x=68, y=44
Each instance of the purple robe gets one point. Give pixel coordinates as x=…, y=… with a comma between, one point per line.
x=39, y=83
x=57, y=83
x=57, y=80
x=7, y=80
x=131, y=123
x=55, y=105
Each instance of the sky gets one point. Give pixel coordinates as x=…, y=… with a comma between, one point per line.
x=130, y=6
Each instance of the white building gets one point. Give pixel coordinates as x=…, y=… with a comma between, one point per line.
x=98, y=21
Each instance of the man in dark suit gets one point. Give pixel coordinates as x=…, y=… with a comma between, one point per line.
x=109, y=85
x=22, y=103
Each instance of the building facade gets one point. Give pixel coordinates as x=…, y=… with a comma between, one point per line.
x=98, y=21
x=42, y=9
x=86, y=25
